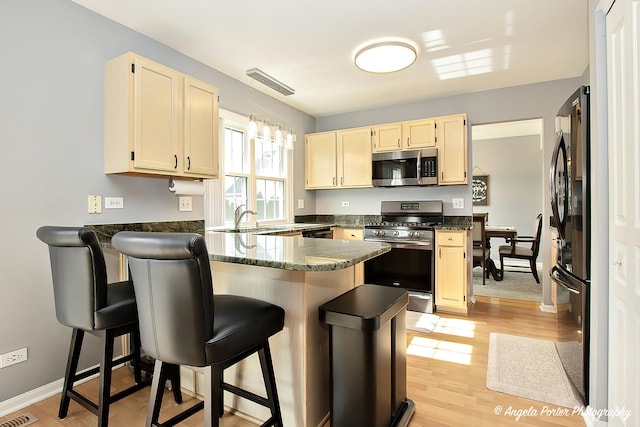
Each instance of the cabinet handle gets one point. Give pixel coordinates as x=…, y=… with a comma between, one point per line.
x=398, y=142
x=341, y=180
x=334, y=180
x=175, y=157
x=407, y=142
x=188, y=163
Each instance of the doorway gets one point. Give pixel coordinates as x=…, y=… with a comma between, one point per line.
x=508, y=164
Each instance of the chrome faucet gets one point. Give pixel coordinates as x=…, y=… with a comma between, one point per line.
x=238, y=214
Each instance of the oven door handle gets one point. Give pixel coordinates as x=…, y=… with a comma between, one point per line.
x=422, y=247
x=556, y=274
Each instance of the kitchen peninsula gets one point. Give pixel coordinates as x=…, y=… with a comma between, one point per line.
x=298, y=274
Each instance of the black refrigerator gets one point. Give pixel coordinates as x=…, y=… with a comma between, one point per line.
x=571, y=207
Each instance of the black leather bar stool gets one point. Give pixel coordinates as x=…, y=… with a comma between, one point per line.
x=85, y=302
x=183, y=323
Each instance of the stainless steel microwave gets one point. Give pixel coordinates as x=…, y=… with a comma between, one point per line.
x=409, y=167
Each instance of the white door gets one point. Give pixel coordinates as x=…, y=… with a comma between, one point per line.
x=624, y=212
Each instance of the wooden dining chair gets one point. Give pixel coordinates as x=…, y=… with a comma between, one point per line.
x=481, y=252
x=523, y=252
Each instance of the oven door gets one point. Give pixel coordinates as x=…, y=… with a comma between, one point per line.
x=407, y=265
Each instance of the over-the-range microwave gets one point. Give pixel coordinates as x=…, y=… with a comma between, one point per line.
x=408, y=167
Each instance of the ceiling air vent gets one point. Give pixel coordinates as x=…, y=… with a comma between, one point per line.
x=266, y=79
x=21, y=420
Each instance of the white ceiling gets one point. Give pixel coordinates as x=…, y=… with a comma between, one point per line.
x=309, y=45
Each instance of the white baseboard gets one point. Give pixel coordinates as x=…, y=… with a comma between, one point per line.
x=547, y=308
x=36, y=395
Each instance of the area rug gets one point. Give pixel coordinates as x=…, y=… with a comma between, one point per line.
x=529, y=368
x=516, y=285
x=421, y=322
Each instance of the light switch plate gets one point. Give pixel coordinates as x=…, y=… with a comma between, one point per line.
x=186, y=203
x=94, y=204
x=300, y=203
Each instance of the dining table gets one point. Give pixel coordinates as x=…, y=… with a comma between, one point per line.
x=506, y=232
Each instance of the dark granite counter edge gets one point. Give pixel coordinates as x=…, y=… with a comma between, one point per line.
x=282, y=265
x=106, y=231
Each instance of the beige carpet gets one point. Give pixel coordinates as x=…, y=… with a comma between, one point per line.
x=529, y=368
x=421, y=322
x=516, y=285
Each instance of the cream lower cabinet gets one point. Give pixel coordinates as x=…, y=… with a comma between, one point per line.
x=451, y=132
x=451, y=271
x=159, y=121
x=343, y=233
x=340, y=159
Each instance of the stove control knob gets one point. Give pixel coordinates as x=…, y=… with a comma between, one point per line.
x=396, y=233
x=416, y=234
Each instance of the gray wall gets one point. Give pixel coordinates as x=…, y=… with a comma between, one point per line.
x=514, y=167
x=51, y=127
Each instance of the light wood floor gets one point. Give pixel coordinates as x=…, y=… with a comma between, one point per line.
x=446, y=393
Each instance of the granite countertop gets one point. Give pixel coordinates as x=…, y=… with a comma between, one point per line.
x=290, y=253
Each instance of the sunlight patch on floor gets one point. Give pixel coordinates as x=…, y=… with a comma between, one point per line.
x=440, y=350
x=457, y=327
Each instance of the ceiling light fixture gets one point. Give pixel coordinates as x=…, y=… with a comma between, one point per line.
x=385, y=57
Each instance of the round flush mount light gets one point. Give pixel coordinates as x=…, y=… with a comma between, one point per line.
x=385, y=57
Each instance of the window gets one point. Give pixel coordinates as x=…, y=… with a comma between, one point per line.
x=255, y=175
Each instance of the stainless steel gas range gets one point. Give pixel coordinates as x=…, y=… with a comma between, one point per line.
x=408, y=226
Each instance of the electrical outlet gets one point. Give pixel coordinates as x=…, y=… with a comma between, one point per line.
x=114, y=202
x=345, y=203
x=300, y=203
x=13, y=357
x=458, y=203
x=95, y=204
x=186, y=203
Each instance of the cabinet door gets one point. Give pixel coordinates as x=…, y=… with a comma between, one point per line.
x=354, y=157
x=452, y=149
x=419, y=133
x=349, y=233
x=200, y=128
x=451, y=272
x=320, y=160
x=156, y=133
x=387, y=137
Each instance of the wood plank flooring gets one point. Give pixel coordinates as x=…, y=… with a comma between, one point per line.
x=446, y=393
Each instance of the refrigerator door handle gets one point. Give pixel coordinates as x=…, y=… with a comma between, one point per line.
x=557, y=276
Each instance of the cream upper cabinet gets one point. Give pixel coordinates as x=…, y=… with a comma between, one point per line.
x=419, y=133
x=200, y=128
x=158, y=121
x=451, y=271
x=387, y=137
x=321, y=158
x=452, y=149
x=354, y=157
x=339, y=159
